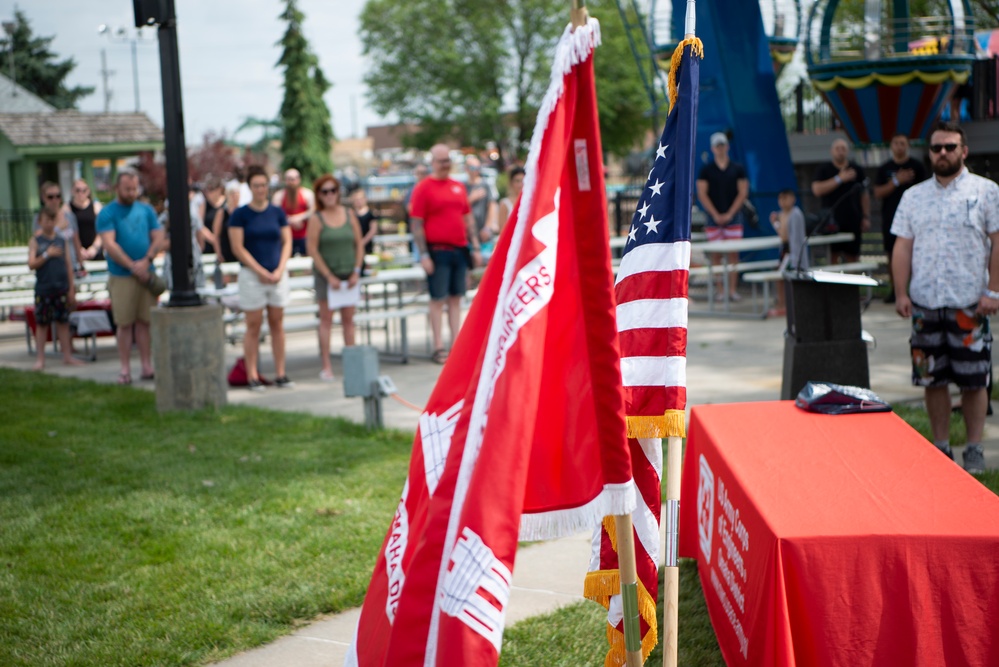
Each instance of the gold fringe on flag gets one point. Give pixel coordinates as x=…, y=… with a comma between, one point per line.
x=670, y=425
x=600, y=585
x=617, y=656
x=696, y=49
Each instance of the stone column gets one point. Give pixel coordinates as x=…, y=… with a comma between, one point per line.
x=189, y=355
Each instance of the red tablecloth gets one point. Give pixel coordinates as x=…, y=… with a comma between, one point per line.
x=838, y=540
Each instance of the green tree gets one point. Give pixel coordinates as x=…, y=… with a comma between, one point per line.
x=621, y=97
x=476, y=72
x=37, y=68
x=305, y=118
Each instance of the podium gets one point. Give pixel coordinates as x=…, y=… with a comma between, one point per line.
x=823, y=342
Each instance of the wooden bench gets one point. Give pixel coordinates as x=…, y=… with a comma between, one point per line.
x=766, y=277
x=304, y=317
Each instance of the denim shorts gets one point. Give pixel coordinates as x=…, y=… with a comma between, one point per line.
x=448, y=278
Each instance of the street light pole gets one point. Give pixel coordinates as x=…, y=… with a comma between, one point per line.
x=183, y=292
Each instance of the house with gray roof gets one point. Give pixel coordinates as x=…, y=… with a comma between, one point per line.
x=40, y=143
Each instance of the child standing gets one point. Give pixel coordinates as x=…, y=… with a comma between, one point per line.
x=789, y=223
x=49, y=258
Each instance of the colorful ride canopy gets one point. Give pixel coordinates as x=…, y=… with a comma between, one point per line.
x=782, y=24
x=885, y=71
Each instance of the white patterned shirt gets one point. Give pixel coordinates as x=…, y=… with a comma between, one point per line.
x=949, y=227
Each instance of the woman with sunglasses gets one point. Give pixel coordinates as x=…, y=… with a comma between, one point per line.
x=334, y=242
x=51, y=196
x=86, y=209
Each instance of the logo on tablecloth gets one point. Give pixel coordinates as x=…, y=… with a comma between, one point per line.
x=706, y=508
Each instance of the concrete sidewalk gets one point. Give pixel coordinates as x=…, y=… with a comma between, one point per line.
x=727, y=361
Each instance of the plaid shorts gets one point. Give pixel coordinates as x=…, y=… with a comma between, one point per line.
x=950, y=345
x=51, y=308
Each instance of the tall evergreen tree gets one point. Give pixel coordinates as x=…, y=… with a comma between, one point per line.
x=37, y=69
x=305, y=118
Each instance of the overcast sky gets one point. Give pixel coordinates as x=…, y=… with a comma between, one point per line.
x=227, y=57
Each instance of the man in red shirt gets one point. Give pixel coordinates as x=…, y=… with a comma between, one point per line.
x=298, y=204
x=443, y=229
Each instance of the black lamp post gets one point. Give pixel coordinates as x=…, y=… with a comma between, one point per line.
x=162, y=13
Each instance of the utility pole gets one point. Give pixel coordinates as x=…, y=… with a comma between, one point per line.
x=120, y=34
x=135, y=74
x=9, y=27
x=105, y=75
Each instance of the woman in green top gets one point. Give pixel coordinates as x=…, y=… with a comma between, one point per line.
x=333, y=241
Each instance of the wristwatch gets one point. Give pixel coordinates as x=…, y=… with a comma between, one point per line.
x=357, y=270
x=990, y=294
x=894, y=180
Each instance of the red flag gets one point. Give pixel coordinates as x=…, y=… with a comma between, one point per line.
x=524, y=436
x=651, y=293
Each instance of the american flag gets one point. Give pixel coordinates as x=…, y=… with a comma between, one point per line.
x=651, y=294
x=652, y=280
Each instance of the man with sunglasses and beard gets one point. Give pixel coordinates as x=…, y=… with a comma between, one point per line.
x=945, y=266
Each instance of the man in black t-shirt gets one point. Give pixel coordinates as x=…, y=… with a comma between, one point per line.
x=894, y=178
x=722, y=189
x=842, y=190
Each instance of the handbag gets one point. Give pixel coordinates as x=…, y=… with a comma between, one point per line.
x=238, y=377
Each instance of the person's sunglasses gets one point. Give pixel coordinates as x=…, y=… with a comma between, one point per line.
x=328, y=191
x=79, y=189
x=948, y=148
x=53, y=196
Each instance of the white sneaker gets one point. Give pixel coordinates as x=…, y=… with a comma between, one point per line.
x=326, y=376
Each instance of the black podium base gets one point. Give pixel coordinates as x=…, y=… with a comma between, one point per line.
x=839, y=362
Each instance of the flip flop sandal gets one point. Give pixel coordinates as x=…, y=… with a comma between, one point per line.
x=439, y=356
x=151, y=376
x=124, y=378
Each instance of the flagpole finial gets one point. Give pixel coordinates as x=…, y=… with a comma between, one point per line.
x=690, y=20
x=577, y=14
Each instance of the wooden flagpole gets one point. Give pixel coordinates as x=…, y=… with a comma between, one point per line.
x=674, y=448
x=671, y=583
x=627, y=568
x=628, y=572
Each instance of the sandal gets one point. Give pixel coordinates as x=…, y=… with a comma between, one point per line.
x=147, y=376
x=439, y=356
x=124, y=378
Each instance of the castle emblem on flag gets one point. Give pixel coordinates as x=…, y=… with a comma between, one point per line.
x=435, y=437
x=477, y=587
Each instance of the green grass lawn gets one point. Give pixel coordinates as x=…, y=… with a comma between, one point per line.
x=132, y=538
